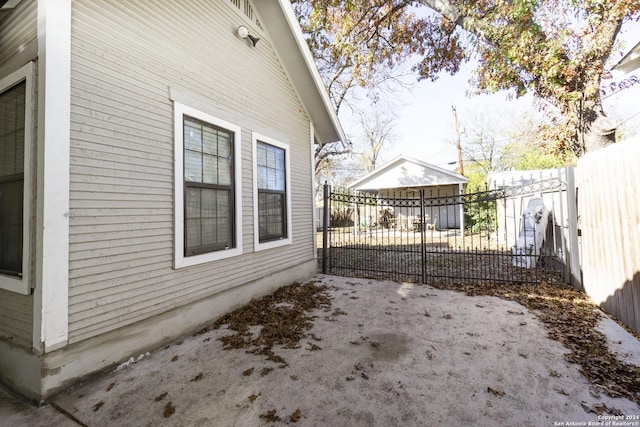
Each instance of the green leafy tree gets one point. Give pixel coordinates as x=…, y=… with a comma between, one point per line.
x=556, y=49
x=480, y=214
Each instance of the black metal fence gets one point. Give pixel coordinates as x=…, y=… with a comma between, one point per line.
x=510, y=234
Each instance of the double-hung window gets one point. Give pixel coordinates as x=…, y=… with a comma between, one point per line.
x=15, y=142
x=207, y=188
x=271, y=193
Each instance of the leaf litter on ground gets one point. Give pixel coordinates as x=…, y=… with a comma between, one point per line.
x=569, y=315
x=570, y=318
x=284, y=317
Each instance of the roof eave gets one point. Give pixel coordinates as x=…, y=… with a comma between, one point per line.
x=459, y=179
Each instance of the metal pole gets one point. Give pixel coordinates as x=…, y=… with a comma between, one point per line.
x=326, y=218
x=423, y=250
x=458, y=144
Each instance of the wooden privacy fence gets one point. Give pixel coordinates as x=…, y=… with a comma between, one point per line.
x=608, y=195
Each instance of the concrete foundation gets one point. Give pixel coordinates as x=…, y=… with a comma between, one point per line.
x=38, y=378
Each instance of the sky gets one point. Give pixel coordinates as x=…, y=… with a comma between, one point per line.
x=425, y=126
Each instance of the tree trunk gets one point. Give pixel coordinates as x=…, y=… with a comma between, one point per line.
x=596, y=130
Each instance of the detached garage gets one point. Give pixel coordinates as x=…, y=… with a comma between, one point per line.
x=404, y=177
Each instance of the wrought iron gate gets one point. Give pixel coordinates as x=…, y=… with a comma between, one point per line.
x=423, y=236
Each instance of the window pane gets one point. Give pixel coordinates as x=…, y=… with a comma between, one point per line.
x=271, y=216
x=280, y=179
x=192, y=218
x=12, y=128
x=208, y=220
x=280, y=160
x=209, y=141
x=210, y=169
x=193, y=166
x=11, y=195
x=224, y=172
x=271, y=167
x=208, y=217
x=192, y=135
x=262, y=177
x=262, y=154
x=271, y=180
x=224, y=144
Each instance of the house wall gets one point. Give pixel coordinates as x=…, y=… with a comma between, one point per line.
x=18, y=45
x=127, y=60
x=17, y=30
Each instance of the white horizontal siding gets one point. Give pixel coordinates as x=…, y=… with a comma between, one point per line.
x=16, y=318
x=17, y=30
x=126, y=57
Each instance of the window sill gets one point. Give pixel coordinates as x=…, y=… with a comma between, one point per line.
x=182, y=261
x=272, y=244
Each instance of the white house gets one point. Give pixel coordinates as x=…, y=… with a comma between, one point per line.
x=405, y=177
x=621, y=93
x=156, y=173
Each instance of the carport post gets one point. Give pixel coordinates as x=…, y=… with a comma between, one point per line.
x=423, y=227
x=460, y=193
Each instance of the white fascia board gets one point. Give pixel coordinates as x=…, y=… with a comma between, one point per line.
x=51, y=296
x=362, y=182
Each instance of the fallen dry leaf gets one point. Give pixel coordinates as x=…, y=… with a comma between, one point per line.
x=253, y=397
x=169, y=410
x=561, y=391
x=98, y=406
x=174, y=358
x=265, y=371
x=161, y=397
x=110, y=386
x=247, y=372
x=295, y=417
x=270, y=416
x=197, y=377
x=313, y=347
x=282, y=315
x=570, y=318
x=495, y=392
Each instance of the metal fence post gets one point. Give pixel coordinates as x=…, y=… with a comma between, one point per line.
x=326, y=218
x=423, y=249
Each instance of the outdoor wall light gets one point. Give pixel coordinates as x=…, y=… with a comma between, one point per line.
x=243, y=33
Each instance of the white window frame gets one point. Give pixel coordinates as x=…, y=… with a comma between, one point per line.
x=22, y=285
x=180, y=260
x=256, y=137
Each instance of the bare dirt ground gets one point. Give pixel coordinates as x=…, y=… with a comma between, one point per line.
x=359, y=352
